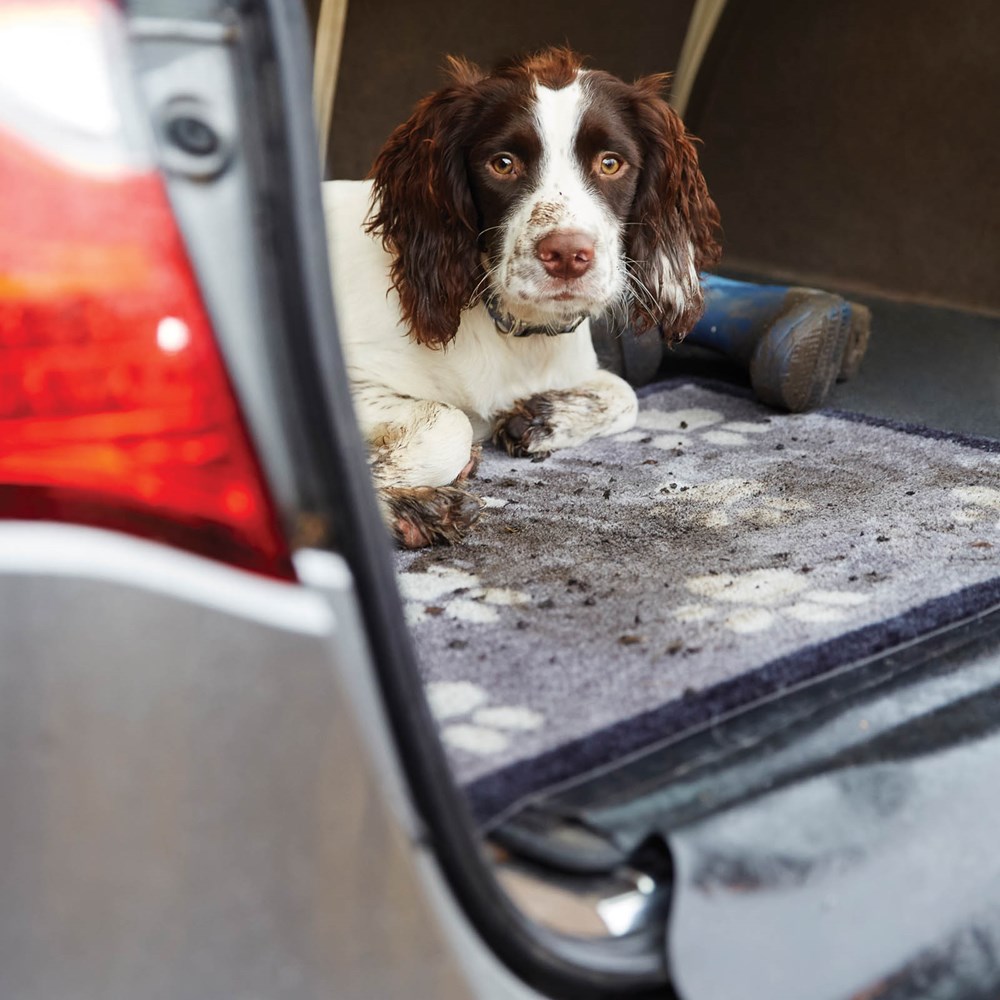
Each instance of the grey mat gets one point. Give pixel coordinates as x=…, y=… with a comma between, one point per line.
x=621, y=592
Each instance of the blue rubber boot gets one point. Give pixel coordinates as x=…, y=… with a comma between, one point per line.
x=796, y=342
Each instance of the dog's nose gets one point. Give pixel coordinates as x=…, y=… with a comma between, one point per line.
x=565, y=253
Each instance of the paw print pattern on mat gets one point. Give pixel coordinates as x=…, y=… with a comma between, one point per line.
x=732, y=500
x=456, y=593
x=682, y=428
x=724, y=501
x=469, y=723
x=979, y=504
x=762, y=597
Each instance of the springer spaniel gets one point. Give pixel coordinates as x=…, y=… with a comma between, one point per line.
x=510, y=208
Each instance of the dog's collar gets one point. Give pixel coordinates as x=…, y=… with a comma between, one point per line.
x=511, y=327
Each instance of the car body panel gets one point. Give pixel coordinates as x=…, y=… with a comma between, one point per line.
x=190, y=809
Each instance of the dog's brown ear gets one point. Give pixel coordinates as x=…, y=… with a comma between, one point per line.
x=678, y=228
x=423, y=210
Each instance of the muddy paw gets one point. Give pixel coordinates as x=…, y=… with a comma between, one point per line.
x=524, y=430
x=427, y=515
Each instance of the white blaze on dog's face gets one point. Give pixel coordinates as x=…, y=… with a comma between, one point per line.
x=562, y=242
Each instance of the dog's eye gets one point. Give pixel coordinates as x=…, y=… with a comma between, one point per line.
x=503, y=164
x=610, y=164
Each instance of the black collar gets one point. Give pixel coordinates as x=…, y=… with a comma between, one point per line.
x=509, y=326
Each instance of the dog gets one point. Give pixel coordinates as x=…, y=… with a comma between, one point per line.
x=509, y=209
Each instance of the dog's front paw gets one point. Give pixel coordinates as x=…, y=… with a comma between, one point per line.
x=426, y=515
x=526, y=428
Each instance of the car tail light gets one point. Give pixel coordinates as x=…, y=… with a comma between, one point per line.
x=115, y=405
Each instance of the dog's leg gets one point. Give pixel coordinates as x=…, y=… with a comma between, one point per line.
x=419, y=451
x=562, y=418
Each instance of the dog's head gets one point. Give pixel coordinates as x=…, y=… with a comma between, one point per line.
x=553, y=191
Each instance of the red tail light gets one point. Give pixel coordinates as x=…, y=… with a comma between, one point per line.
x=115, y=406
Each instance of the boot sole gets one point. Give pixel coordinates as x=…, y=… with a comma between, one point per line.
x=802, y=354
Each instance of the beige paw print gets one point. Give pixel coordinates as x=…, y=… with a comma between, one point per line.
x=980, y=505
x=456, y=593
x=469, y=723
x=730, y=501
x=761, y=598
x=682, y=428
